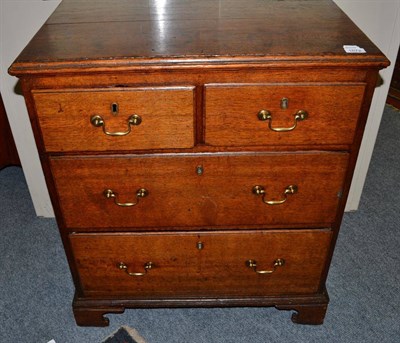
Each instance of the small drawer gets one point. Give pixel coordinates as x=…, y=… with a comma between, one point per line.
x=207, y=264
x=117, y=119
x=282, y=114
x=217, y=190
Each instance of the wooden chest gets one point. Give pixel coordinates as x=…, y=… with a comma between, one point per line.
x=198, y=153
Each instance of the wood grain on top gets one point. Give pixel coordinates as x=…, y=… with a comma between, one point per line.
x=125, y=32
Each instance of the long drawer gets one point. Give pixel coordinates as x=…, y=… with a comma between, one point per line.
x=116, y=119
x=207, y=264
x=164, y=191
x=282, y=114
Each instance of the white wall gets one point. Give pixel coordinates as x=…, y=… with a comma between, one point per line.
x=20, y=19
x=380, y=20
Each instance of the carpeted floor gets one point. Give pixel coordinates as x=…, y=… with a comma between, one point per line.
x=364, y=281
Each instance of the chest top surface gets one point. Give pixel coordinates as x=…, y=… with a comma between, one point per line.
x=160, y=32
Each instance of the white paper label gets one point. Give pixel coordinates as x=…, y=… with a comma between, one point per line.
x=354, y=49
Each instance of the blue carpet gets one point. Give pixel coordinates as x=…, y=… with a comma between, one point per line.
x=364, y=282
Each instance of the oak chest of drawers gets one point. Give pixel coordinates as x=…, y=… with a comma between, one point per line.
x=198, y=153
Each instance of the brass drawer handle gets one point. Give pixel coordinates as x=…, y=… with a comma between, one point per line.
x=260, y=190
x=98, y=121
x=147, y=266
x=140, y=193
x=253, y=264
x=264, y=115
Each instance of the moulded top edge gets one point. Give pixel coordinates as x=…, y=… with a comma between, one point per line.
x=21, y=68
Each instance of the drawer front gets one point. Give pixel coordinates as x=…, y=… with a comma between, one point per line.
x=248, y=264
x=252, y=115
x=169, y=192
x=118, y=119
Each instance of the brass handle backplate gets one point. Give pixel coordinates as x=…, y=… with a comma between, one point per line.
x=264, y=115
x=147, y=266
x=260, y=191
x=253, y=264
x=98, y=121
x=140, y=193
